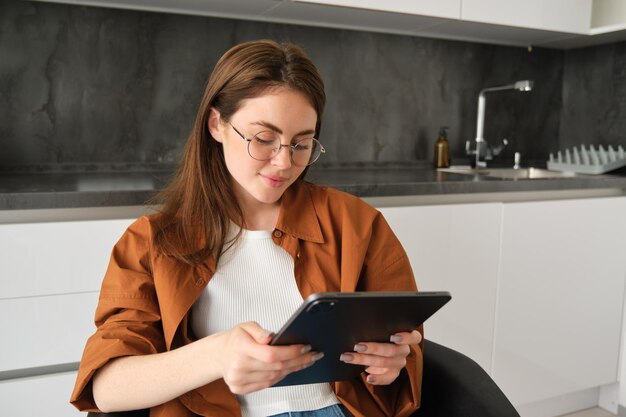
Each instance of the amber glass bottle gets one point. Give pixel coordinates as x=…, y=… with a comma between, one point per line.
x=442, y=149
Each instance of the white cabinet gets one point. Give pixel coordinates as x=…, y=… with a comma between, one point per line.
x=551, y=23
x=396, y=16
x=509, y=22
x=562, y=274
x=41, y=395
x=243, y=9
x=56, y=257
x=537, y=288
x=51, y=274
x=608, y=15
x=454, y=248
x=45, y=331
x=442, y=8
x=570, y=16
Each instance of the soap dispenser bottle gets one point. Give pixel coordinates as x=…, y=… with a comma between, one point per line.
x=442, y=149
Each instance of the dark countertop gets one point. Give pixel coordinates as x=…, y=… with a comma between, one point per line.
x=131, y=185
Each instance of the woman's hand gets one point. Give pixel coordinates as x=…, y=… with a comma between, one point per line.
x=240, y=355
x=247, y=362
x=384, y=361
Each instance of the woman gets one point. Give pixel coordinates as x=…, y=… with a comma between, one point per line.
x=192, y=294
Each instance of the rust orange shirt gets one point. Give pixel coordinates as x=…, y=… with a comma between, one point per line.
x=338, y=243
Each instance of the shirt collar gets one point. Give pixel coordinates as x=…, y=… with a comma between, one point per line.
x=297, y=213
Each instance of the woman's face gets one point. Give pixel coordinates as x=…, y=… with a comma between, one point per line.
x=284, y=112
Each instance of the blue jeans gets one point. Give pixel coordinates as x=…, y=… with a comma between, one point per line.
x=337, y=410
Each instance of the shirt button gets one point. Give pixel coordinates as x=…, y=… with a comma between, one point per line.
x=278, y=233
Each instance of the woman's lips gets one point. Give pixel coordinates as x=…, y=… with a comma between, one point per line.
x=274, y=181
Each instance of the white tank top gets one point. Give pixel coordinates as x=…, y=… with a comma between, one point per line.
x=255, y=281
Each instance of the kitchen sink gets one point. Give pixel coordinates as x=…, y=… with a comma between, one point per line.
x=510, y=173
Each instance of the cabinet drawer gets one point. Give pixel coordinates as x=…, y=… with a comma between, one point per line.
x=44, y=331
x=56, y=258
x=42, y=395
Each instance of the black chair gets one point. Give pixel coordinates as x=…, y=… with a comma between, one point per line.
x=453, y=386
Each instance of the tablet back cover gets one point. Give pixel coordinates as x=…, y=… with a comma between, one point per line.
x=334, y=322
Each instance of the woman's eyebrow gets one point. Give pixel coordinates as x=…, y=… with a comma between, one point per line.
x=278, y=130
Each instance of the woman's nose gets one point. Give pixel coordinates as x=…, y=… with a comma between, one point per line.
x=283, y=157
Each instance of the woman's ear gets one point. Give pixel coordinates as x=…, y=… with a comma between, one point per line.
x=214, y=124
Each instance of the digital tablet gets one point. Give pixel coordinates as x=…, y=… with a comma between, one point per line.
x=334, y=322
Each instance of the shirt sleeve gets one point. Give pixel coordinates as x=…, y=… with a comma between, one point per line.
x=128, y=319
x=386, y=268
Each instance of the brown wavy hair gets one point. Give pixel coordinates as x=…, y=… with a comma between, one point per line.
x=199, y=203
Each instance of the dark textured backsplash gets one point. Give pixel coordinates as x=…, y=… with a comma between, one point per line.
x=594, y=96
x=95, y=85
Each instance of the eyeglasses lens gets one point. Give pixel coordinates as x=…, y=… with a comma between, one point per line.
x=266, y=145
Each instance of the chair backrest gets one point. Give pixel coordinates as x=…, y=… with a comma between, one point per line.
x=454, y=385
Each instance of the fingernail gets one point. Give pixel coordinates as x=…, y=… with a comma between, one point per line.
x=371, y=379
x=346, y=357
x=360, y=348
x=396, y=339
x=268, y=335
x=305, y=349
x=318, y=356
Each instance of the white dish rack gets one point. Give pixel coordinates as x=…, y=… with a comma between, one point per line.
x=588, y=160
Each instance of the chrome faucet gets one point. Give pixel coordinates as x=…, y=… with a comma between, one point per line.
x=483, y=152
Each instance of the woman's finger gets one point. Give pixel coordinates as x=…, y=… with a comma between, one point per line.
x=406, y=338
x=239, y=377
x=374, y=370
x=373, y=360
x=275, y=354
x=250, y=364
x=384, y=378
x=258, y=333
x=263, y=380
x=254, y=341
x=382, y=349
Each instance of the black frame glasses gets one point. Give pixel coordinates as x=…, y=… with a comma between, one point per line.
x=316, y=148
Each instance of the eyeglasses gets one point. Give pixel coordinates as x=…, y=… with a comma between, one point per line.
x=266, y=144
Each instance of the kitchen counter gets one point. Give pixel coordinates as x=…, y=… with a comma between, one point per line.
x=133, y=184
